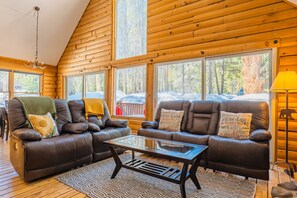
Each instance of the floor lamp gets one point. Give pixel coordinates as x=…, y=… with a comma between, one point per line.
x=286, y=82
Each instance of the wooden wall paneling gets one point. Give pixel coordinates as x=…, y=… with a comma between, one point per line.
x=223, y=50
x=110, y=90
x=90, y=47
x=180, y=30
x=150, y=78
x=209, y=26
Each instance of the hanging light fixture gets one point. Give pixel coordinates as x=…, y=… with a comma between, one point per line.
x=35, y=64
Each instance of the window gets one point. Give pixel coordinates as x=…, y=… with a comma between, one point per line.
x=75, y=88
x=130, y=89
x=131, y=20
x=239, y=77
x=4, y=88
x=85, y=86
x=179, y=80
x=26, y=84
x=95, y=86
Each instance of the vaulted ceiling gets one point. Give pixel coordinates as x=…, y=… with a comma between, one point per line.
x=57, y=21
x=292, y=1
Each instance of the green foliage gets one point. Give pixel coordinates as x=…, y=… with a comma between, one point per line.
x=26, y=83
x=131, y=80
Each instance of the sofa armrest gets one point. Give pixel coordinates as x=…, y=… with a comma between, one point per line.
x=150, y=125
x=260, y=135
x=76, y=128
x=116, y=123
x=26, y=134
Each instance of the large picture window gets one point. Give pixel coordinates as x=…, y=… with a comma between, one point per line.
x=86, y=86
x=26, y=84
x=239, y=77
x=245, y=76
x=179, y=80
x=131, y=20
x=130, y=91
x=4, y=88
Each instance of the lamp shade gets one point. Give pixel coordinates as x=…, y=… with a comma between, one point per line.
x=285, y=81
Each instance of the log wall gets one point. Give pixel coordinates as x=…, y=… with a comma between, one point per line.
x=186, y=29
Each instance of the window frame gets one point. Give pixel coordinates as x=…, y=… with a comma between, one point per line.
x=84, y=77
x=269, y=51
x=203, y=77
x=35, y=74
x=132, y=117
x=9, y=84
x=155, y=102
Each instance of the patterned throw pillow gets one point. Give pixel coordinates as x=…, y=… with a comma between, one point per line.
x=44, y=124
x=170, y=120
x=235, y=125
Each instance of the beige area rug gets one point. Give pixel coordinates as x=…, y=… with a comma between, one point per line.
x=94, y=181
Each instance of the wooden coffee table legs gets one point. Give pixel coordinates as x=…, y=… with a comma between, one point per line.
x=162, y=172
x=117, y=160
x=193, y=171
x=183, y=179
x=192, y=175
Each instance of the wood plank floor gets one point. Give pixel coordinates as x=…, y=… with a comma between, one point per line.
x=12, y=186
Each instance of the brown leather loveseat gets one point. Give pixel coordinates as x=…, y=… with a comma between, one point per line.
x=249, y=158
x=33, y=157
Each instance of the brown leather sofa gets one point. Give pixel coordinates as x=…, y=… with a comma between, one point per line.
x=33, y=157
x=249, y=158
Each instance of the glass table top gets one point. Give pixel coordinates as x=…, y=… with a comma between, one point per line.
x=152, y=145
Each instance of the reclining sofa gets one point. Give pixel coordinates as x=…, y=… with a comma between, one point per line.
x=249, y=158
x=33, y=157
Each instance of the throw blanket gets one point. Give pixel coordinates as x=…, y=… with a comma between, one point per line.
x=94, y=106
x=38, y=105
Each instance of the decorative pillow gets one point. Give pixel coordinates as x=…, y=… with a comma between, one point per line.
x=44, y=124
x=170, y=120
x=235, y=125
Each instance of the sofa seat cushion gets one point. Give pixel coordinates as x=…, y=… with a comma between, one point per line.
x=191, y=138
x=156, y=133
x=107, y=134
x=57, y=150
x=241, y=153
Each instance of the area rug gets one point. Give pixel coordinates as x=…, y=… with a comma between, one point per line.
x=94, y=181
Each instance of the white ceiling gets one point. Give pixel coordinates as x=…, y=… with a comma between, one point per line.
x=57, y=21
x=292, y=1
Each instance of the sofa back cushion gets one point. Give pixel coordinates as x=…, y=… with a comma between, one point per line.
x=203, y=117
x=77, y=109
x=16, y=115
x=177, y=105
x=260, y=111
x=63, y=113
x=17, y=118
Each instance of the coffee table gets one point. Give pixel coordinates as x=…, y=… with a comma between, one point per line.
x=178, y=151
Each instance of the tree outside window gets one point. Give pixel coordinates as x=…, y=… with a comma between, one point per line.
x=131, y=28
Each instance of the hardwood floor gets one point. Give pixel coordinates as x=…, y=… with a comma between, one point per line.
x=12, y=186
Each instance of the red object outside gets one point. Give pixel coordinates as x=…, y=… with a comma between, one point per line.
x=119, y=111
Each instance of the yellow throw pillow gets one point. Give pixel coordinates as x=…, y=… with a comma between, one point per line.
x=235, y=125
x=44, y=124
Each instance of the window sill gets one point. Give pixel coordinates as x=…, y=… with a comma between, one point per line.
x=132, y=117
